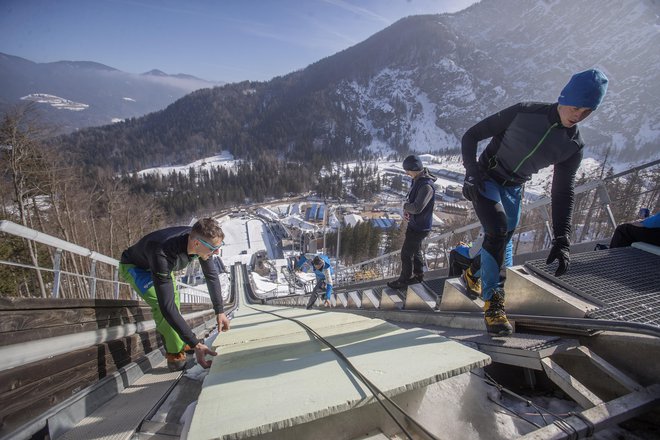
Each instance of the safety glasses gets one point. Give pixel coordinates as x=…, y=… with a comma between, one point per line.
x=209, y=245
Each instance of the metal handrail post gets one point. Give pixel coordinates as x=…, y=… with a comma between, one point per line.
x=56, y=273
x=545, y=215
x=92, y=281
x=604, y=197
x=115, y=276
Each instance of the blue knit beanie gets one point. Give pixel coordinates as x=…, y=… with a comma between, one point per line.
x=585, y=89
x=412, y=163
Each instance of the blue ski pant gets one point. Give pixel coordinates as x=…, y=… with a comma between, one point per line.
x=498, y=208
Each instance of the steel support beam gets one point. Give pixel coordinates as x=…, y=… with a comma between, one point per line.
x=584, y=424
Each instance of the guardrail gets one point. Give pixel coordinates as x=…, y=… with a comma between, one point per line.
x=593, y=214
x=188, y=294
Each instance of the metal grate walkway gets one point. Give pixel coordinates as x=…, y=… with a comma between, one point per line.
x=436, y=285
x=625, y=282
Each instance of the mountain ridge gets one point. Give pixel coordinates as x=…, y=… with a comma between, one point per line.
x=415, y=86
x=106, y=94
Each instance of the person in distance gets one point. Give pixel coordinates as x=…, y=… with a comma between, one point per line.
x=418, y=211
x=324, y=272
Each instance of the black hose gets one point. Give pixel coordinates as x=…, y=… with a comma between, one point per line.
x=373, y=388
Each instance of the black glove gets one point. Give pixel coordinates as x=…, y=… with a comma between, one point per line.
x=560, y=251
x=472, y=184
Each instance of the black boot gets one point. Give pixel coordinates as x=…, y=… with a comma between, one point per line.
x=397, y=284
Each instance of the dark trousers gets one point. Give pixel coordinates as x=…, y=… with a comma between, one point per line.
x=498, y=208
x=412, y=258
x=627, y=233
x=459, y=263
x=318, y=289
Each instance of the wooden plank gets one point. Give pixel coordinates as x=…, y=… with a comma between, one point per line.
x=43, y=333
x=21, y=403
x=62, y=303
x=26, y=374
x=9, y=338
x=29, y=390
x=30, y=319
x=9, y=303
x=570, y=385
x=15, y=320
x=129, y=346
x=75, y=378
x=24, y=410
x=73, y=323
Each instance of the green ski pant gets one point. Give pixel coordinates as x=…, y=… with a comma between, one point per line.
x=143, y=284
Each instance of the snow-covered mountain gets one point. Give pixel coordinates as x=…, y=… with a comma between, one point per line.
x=418, y=85
x=75, y=94
x=537, y=44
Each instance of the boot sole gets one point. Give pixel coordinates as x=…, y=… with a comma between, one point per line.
x=502, y=332
x=173, y=367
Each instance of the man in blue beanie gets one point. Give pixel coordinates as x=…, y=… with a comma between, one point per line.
x=525, y=137
x=418, y=210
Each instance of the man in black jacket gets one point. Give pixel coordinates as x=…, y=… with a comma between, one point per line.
x=148, y=267
x=525, y=138
x=418, y=210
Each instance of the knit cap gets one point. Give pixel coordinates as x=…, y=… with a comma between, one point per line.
x=412, y=163
x=585, y=89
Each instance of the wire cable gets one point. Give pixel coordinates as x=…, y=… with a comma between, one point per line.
x=372, y=388
x=567, y=428
x=539, y=409
x=514, y=412
x=590, y=426
x=501, y=388
x=561, y=422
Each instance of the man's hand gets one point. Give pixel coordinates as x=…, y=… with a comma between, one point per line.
x=472, y=184
x=560, y=251
x=223, y=322
x=201, y=351
x=406, y=215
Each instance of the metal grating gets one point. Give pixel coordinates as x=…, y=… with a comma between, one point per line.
x=436, y=285
x=625, y=282
x=519, y=341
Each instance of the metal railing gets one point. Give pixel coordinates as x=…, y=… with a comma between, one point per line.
x=188, y=294
x=535, y=218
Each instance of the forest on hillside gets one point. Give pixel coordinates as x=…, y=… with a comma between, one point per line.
x=236, y=118
x=51, y=191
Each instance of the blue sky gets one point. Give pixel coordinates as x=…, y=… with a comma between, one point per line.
x=217, y=40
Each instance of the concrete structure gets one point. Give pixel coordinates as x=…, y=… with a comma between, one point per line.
x=352, y=219
x=299, y=223
x=267, y=213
